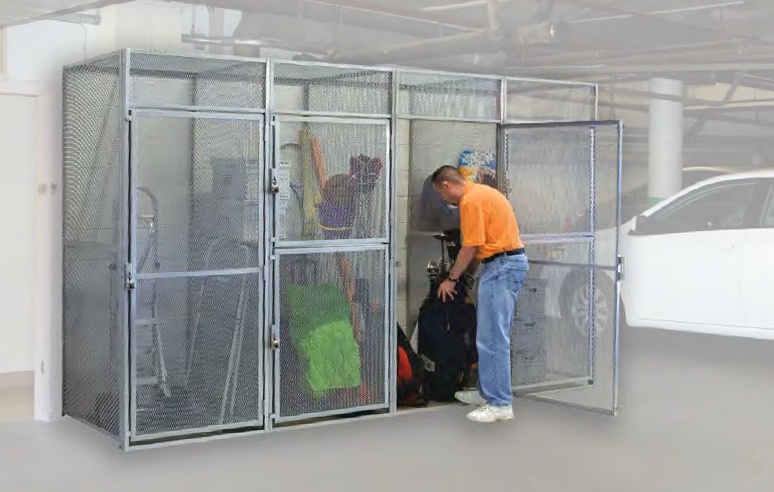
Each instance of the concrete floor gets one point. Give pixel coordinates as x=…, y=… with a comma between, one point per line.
x=696, y=416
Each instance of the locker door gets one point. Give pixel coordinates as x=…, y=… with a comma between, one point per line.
x=195, y=275
x=330, y=259
x=563, y=180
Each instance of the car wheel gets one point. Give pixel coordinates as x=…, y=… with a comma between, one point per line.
x=576, y=302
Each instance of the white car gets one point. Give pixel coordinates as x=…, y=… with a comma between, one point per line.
x=701, y=260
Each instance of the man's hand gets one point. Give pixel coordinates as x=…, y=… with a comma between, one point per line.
x=447, y=288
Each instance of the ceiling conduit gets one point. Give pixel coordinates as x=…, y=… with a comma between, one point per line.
x=352, y=14
x=488, y=40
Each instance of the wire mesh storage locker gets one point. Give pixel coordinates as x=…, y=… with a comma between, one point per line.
x=235, y=231
x=163, y=230
x=332, y=172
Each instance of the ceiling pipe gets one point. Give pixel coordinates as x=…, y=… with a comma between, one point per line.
x=663, y=20
x=493, y=15
x=478, y=41
x=688, y=57
x=482, y=41
x=82, y=19
x=644, y=108
x=695, y=130
x=698, y=8
x=390, y=9
x=601, y=69
x=66, y=12
x=332, y=15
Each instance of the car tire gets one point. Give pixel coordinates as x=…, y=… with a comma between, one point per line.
x=575, y=304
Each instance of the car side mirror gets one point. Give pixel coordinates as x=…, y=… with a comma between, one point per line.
x=642, y=225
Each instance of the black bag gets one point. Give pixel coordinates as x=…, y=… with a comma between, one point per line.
x=410, y=374
x=447, y=343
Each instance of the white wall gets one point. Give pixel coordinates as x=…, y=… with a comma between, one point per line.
x=18, y=174
x=30, y=334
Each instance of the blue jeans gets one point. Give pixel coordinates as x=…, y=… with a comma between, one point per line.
x=499, y=284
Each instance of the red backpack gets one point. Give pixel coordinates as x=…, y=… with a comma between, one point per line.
x=410, y=369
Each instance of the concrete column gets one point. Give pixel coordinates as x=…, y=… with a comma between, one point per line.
x=665, y=140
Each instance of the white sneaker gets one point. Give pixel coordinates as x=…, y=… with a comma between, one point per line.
x=472, y=397
x=489, y=413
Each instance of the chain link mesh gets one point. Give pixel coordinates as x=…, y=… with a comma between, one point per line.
x=546, y=101
x=92, y=176
x=330, y=89
x=333, y=179
x=160, y=79
x=448, y=96
x=332, y=333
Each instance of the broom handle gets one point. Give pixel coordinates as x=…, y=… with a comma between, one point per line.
x=318, y=163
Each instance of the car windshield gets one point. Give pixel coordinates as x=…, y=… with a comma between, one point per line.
x=633, y=203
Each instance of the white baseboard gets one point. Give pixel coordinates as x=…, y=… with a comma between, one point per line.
x=12, y=380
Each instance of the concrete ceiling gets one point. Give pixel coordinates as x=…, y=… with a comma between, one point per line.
x=20, y=11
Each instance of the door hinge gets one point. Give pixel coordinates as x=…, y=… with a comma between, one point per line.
x=619, y=268
x=129, y=277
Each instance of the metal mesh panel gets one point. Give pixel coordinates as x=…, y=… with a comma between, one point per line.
x=196, y=341
x=575, y=353
x=332, y=181
x=570, y=360
x=196, y=347
x=551, y=329
x=330, y=89
x=547, y=101
x=198, y=180
x=158, y=80
x=332, y=356
x=92, y=176
x=606, y=189
x=432, y=95
x=549, y=177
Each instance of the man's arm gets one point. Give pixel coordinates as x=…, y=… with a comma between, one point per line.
x=464, y=258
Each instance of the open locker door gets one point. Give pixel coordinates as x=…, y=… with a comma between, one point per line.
x=564, y=182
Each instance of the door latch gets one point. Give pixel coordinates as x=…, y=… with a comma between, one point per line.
x=275, y=188
x=275, y=343
x=619, y=268
x=129, y=280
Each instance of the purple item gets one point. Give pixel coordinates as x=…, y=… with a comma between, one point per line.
x=336, y=219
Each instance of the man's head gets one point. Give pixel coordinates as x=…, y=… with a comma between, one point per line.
x=449, y=183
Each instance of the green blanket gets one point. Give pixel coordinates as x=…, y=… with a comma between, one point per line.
x=323, y=335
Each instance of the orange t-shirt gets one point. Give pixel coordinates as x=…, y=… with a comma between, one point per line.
x=487, y=221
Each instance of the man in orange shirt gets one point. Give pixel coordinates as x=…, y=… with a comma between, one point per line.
x=490, y=235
